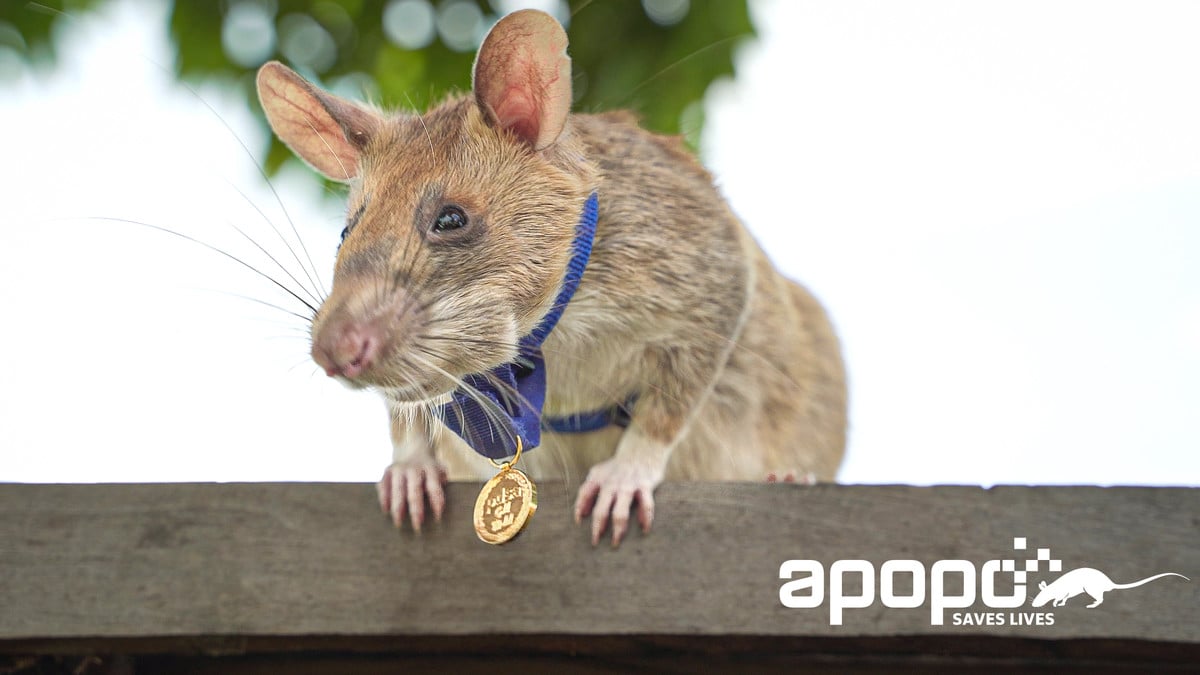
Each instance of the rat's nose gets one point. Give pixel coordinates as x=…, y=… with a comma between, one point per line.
x=346, y=350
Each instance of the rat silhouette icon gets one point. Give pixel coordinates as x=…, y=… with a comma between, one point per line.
x=1086, y=580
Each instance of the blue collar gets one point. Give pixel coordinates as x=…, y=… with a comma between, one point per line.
x=491, y=425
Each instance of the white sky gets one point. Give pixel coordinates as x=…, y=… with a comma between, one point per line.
x=999, y=203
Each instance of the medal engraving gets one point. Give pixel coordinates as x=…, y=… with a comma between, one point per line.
x=504, y=506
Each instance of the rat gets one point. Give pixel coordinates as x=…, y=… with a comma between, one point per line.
x=461, y=229
x=1086, y=580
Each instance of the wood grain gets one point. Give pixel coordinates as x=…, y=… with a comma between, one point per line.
x=239, y=568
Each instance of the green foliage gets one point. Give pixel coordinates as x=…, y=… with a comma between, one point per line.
x=27, y=27
x=621, y=58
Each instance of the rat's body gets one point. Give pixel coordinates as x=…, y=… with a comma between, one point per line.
x=460, y=231
x=1086, y=580
x=672, y=271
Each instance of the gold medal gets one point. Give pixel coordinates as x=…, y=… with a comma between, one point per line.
x=505, y=504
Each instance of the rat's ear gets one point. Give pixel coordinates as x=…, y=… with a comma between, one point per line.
x=324, y=130
x=523, y=77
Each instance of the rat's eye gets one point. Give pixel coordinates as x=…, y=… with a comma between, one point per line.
x=450, y=218
x=351, y=222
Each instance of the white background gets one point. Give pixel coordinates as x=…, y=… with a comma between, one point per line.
x=998, y=202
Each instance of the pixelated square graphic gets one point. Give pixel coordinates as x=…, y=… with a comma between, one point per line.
x=1056, y=565
x=1031, y=565
x=1008, y=565
x=1018, y=543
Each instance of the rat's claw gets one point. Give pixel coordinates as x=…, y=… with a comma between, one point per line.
x=620, y=515
x=802, y=477
x=645, y=498
x=397, y=502
x=405, y=487
x=437, y=496
x=585, y=500
x=600, y=512
x=611, y=490
x=384, y=494
x=415, y=479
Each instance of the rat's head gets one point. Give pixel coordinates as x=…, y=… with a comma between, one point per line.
x=459, y=222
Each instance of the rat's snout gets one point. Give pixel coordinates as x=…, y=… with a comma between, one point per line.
x=347, y=349
x=357, y=328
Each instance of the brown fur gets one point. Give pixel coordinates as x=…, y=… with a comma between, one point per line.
x=738, y=370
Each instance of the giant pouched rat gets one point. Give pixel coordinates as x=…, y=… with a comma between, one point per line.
x=462, y=223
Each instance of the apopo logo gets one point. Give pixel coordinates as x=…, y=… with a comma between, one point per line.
x=805, y=587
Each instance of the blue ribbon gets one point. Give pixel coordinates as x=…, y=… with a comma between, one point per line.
x=492, y=426
x=617, y=415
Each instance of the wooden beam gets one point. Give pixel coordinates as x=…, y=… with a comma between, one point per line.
x=244, y=572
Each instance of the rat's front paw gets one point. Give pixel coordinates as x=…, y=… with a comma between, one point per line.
x=612, y=487
x=801, y=477
x=405, y=486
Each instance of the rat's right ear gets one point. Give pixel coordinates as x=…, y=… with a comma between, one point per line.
x=322, y=129
x=522, y=77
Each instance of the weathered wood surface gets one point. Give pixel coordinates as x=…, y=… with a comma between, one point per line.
x=243, y=568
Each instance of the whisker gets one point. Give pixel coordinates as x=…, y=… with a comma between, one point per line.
x=298, y=364
x=286, y=337
x=412, y=262
x=421, y=119
x=616, y=397
x=490, y=409
x=503, y=387
x=510, y=393
x=327, y=146
x=261, y=171
x=738, y=346
x=212, y=248
x=477, y=341
x=264, y=303
x=295, y=256
x=669, y=67
x=580, y=8
x=277, y=263
x=424, y=408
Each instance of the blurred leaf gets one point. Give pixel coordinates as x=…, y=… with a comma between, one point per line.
x=620, y=57
x=27, y=27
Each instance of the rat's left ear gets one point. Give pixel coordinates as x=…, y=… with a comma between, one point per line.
x=322, y=129
x=522, y=77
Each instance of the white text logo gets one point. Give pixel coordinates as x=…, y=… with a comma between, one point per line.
x=946, y=585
